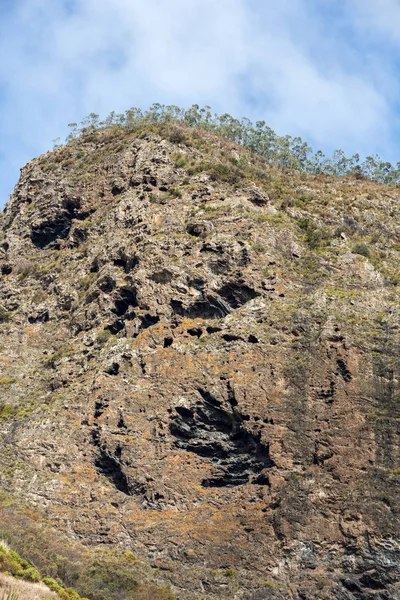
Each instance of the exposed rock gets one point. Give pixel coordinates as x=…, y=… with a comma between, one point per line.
x=208, y=377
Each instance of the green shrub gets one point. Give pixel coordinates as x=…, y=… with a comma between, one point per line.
x=175, y=192
x=24, y=564
x=8, y=564
x=313, y=236
x=225, y=173
x=361, y=249
x=259, y=247
x=6, y=411
x=103, y=336
x=177, y=136
x=29, y=574
x=85, y=282
x=60, y=590
x=52, y=584
x=7, y=380
x=4, y=315
x=180, y=163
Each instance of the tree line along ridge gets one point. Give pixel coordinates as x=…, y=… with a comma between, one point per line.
x=280, y=151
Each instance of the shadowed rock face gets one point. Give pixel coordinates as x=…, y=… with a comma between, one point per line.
x=47, y=234
x=206, y=379
x=213, y=432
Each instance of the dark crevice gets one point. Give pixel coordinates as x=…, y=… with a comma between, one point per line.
x=148, y=320
x=99, y=407
x=236, y=294
x=110, y=465
x=112, y=369
x=351, y=585
x=83, y=215
x=121, y=423
x=231, y=395
x=209, y=398
x=106, y=283
x=198, y=284
x=126, y=298
x=125, y=262
x=117, y=188
x=208, y=307
x=262, y=479
x=95, y=266
x=212, y=431
x=144, y=322
x=372, y=581
x=213, y=329
x=6, y=269
x=71, y=205
x=168, y=342
x=215, y=249
x=327, y=394
x=345, y=373
x=195, y=331
x=46, y=235
x=245, y=259
x=197, y=229
x=231, y=337
x=41, y=317
x=184, y=412
x=120, y=262
x=142, y=364
x=116, y=326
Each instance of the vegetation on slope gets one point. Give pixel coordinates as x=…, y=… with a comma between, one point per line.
x=281, y=151
x=68, y=569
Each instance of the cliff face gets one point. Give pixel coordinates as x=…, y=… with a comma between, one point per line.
x=200, y=364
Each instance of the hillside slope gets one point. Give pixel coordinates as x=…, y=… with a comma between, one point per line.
x=200, y=365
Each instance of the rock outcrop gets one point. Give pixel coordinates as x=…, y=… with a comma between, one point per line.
x=202, y=366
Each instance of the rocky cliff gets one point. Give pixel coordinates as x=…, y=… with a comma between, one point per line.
x=200, y=365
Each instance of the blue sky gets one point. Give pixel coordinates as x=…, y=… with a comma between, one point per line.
x=327, y=70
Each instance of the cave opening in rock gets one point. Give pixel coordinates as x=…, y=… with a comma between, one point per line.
x=236, y=294
x=46, y=235
x=126, y=297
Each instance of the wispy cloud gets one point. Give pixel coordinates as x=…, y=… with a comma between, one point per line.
x=306, y=67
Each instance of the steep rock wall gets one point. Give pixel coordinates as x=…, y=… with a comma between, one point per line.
x=205, y=371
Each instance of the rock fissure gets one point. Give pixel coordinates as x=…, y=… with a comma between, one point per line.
x=109, y=464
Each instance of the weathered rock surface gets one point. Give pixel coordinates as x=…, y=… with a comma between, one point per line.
x=206, y=372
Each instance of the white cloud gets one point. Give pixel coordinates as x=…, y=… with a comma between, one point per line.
x=378, y=17
x=267, y=60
